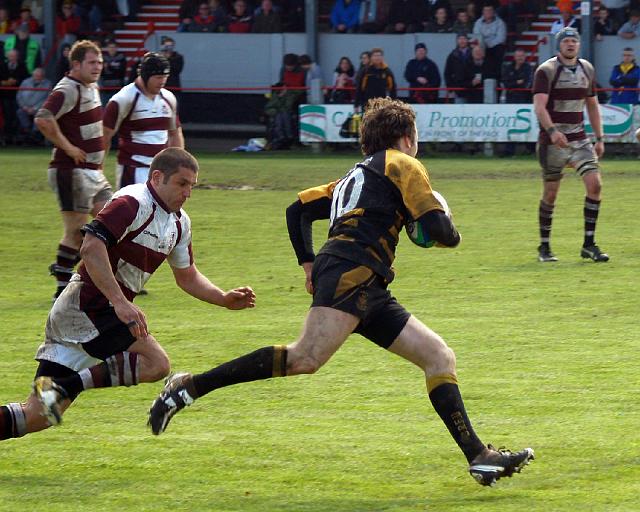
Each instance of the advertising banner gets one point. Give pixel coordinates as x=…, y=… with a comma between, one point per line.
x=465, y=123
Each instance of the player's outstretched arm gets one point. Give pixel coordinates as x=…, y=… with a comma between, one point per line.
x=96, y=259
x=176, y=139
x=193, y=282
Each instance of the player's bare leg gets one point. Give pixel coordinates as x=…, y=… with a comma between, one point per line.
x=593, y=187
x=423, y=347
x=545, y=218
x=144, y=361
x=324, y=332
x=19, y=419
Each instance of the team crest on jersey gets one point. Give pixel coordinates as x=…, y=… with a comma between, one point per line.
x=165, y=110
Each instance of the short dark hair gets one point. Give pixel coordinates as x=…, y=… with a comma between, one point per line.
x=79, y=50
x=304, y=60
x=170, y=160
x=385, y=120
x=290, y=59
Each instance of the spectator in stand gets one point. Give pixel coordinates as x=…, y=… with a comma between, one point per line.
x=625, y=77
x=240, y=20
x=176, y=63
x=114, y=71
x=567, y=19
x=373, y=15
x=480, y=71
x=376, y=81
x=494, y=36
x=457, y=68
x=67, y=23
x=440, y=24
x=266, y=19
x=187, y=10
x=26, y=18
x=203, y=21
x=281, y=110
x=472, y=11
x=345, y=16
x=63, y=65
x=517, y=75
x=430, y=7
x=92, y=12
x=617, y=10
x=293, y=20
x=310, y=69
x=365, y=60
x=631, y=29
x=422, y=72
x=5, y=22
x=404, y=16
x=603, y=24
x=343, y=89
x=291, y=74
x=462, y=25
x=12, y=73
x=28, y=49
x=29, y=102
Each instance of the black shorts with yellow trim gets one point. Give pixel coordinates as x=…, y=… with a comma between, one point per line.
x=355, y=289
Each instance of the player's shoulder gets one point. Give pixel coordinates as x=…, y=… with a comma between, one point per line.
x=67, y=86
x=587, y=65
x=169, y=97
x=126, y=95
x=549, y=65
x=136, y=195
x=396, y=160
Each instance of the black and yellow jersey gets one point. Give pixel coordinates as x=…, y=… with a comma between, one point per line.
x=367, y=209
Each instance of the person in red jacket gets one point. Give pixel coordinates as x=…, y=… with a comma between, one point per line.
x=67, y=22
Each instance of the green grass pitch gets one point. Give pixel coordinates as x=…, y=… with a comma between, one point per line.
x=548, y=356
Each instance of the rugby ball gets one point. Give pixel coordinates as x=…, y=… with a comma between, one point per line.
x=638, y=134
x=414, y=229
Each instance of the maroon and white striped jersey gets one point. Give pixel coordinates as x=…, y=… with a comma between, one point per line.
x=568, y=88
x=140, y=233
x=143, y=123
x=78, y=111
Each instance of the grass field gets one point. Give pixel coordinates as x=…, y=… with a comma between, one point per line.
x=547, y=356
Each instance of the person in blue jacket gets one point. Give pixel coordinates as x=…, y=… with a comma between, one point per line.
x=626, y=77
x=345, y=16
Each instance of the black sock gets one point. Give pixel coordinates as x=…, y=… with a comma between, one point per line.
x=448, y=404
x=264, y=363
x=591, y=210
x=12, y=421
x=545, y=218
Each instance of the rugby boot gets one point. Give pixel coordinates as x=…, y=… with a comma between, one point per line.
x=51, y=396
x=491, y=465
x=173, y=397
x=593, y=252
x=545, y=254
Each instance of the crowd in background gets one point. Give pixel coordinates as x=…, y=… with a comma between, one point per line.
x=482, y=29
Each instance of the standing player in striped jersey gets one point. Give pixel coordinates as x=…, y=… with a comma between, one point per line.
x=561, y=87
x=95, y=336
x=145, y=115
x=71, y=118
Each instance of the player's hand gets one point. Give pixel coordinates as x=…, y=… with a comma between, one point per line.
x=308, y=284
x=599, y=148
x=76, y=154
x=133, y=317
x=239, y=298
x=559, y=139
